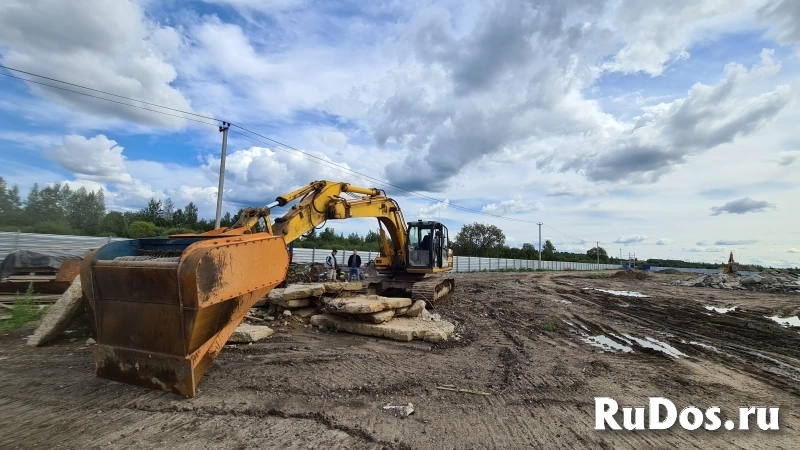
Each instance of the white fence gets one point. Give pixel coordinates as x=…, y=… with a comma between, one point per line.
x=460, y=263
x=12, y=241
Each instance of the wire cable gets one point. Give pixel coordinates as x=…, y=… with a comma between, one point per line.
x=108, y=99
x=307, y=155
x=107, y=93
x=376, y=180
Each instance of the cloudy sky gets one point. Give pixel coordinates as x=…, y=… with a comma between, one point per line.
x=667, y=129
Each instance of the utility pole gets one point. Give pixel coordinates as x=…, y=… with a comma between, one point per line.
x=224, y=130
x=540, y=244
x=598, y=255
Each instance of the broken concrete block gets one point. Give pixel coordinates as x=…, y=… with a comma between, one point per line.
x=400, y=329
x=335, y=288
x=292, y=304
x=298, y=291
x=304, y=313
x=755, y=279
x=416, y=309
x=364, y=304
x=401, y=311
x=60, y=315
x=378, y=317
x=250, y=333
x=275, y=294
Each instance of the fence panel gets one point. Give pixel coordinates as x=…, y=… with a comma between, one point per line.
x=13, y=241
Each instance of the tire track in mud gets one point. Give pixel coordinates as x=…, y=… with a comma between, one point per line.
x=776, y=360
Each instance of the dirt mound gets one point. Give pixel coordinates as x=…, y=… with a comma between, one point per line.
x=670, y=271
x=631, y=275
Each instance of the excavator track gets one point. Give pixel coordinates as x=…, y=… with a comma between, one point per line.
x=433, y=290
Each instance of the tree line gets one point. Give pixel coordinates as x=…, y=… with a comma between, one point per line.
x=58, y=209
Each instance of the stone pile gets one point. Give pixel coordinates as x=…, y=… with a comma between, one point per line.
x=346, y=307
x=770, y=280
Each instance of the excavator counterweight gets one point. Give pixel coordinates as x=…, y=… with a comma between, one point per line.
x=164, y=307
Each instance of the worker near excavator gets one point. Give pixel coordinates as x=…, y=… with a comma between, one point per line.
x=354, y=263
x=331, y=265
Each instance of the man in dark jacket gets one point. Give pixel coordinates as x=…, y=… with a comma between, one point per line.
x=354, y=263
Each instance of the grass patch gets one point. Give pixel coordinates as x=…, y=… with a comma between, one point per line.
x=599, y=275
x=549, y=327
x=25, y=310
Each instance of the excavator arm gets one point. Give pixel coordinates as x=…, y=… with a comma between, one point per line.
x=165, y=307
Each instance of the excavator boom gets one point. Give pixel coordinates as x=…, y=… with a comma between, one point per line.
x=164, y=307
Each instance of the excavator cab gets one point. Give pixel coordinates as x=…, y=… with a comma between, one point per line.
x=428, y=247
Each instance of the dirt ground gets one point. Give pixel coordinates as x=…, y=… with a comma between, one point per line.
x=304, y=388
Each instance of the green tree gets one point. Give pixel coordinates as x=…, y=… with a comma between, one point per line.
x=529, y=252
x=592, y=254
x=479, y=239
x=10, y=204
x=190, y=214
x=151, y=212
x=549, y=251
x=33, y=211
x=142, y=229
x=113, y=223
x=166, y=213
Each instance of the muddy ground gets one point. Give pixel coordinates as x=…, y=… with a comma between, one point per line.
x=310, y=389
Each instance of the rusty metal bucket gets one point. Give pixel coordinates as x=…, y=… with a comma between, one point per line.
x=165, y=307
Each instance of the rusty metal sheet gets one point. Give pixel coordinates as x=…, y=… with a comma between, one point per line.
x=137, y=282
x=148, y=327
x=152, y=370
x=220, y=269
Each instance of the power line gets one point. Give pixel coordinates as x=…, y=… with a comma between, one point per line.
x=104, y=92
x=376, y=180
x=302, y=153
x=108, y=99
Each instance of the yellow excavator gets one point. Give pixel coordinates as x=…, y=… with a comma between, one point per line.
x=164, y=307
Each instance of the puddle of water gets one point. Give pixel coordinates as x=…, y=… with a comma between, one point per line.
x=604, y=342
x=720, y=310
x=786, y=321
x=624, y=293
x=656, y=345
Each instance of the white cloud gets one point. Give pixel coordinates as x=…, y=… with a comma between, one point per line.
x=630, y=239
x=659, y=33
x=433, y=211
x=793, y=250
x=663, y=242
x=511, y=206
x=705, y=249
x=109, y=46
x=95, y=159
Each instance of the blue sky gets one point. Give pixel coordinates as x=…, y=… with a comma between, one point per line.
x=619, y=122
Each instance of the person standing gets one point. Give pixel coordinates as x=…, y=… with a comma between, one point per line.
x=331, y=265
x=354, y=263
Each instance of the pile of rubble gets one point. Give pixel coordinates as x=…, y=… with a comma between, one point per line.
x=346, y=307
x=770, y=280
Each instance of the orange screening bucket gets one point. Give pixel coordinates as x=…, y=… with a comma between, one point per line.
x=165, y=307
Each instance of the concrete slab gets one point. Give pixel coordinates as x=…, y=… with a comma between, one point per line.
x=297, y=291
x=416, y=309
x=250, y=333
x=292, y=304
x=335, y=288
x=399, y=329
x=365, y=304
x=60, y=315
